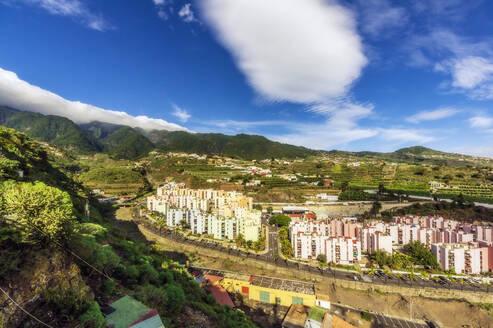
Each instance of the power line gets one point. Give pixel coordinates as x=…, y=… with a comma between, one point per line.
x=24, y=310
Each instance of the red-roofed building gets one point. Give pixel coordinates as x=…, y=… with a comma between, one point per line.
x=213, y=280
x=220, y=295
x=310, y=215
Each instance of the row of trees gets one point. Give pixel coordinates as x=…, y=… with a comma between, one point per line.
x=413, y=254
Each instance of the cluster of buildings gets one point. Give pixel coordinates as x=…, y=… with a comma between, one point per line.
x=336, y=239
x=462, y=247
x=218, y=213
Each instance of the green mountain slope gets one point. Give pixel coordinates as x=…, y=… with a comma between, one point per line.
x=126, y=143
x=241, y=145
x=56, y=130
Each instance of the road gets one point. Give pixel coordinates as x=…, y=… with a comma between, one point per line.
x=270, y=257
x=273, y=251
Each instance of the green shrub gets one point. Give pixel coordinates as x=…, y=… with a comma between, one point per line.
x=366, y=316
x=93, y=318
x=109, y=287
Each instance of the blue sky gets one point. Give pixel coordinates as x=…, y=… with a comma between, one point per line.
x=354, y=75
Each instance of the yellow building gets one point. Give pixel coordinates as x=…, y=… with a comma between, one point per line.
x=267, y=289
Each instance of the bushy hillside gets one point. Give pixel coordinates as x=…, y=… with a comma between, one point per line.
x=242, y=145
x=62, y=263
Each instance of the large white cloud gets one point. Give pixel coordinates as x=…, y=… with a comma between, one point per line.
x=290, y=50
x=19, y=94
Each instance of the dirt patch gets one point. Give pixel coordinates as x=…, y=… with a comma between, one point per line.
x=448, y=313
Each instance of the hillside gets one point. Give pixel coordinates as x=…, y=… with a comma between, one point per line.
x=56, y=130
x=415, y=155
x=121, y=142
x=63, y=264
x=242, y=145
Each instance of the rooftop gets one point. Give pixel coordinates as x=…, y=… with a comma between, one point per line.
x=263, y=281
x=128, y=312
x=283, y=284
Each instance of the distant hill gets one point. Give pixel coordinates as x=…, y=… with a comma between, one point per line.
x=241, y=145
x=415, y=154
x=56, y=130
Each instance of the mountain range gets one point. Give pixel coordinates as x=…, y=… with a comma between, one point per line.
x=124, y=142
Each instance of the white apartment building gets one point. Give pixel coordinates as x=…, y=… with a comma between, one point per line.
x=340, y=250
x=218, y=213
x=461, y=258
x=373, y=240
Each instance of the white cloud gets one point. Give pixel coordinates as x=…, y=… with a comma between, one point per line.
x=186, y=13
x=472, y=73
x=19, y=94
x=290, y=50
x=432, y=115
x=340, y=128
x=70, y=8
x=481, y=121
x=379, y=17
x=181, y=113
x=469, y=63
x=164, y=8
x=234, y=124
x=405, y=135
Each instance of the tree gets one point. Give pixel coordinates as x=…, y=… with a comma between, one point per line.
x=269, y=209
x=375, y=208
x=47, y=213
x=344, y=186
x=280, y=220
x=381, y=189
x=322, y=258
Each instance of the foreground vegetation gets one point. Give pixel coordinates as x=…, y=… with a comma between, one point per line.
x=42, y=214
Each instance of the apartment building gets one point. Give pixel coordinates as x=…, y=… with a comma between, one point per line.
x=221, y=214
x=340, y=250
x=461, y=258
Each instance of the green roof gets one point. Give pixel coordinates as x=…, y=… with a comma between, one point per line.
x=127, y=311
x=316, y=314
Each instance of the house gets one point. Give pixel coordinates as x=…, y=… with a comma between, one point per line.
x=264, y=289
x=127, y=312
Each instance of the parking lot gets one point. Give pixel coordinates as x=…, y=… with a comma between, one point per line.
x=381, y=321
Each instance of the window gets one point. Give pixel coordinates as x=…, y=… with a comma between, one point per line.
x=244, y=290
x=278, y=300
x=297, y=300
x=264, y=297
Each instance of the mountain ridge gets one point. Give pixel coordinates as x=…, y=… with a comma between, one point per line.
x=124, y=142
